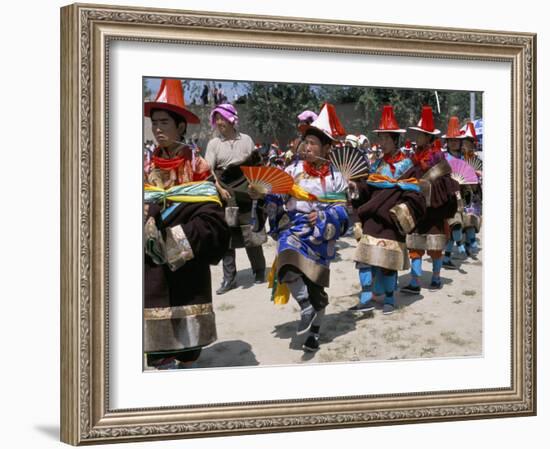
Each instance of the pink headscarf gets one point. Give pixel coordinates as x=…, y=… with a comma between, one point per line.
x=227, y=111
x=307, y=116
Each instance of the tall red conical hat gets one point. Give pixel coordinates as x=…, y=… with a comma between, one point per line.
x=453, y=129
x=327, y=122
x=426, y=123
x=468, y=131
x=170, y=98
x=388, y=122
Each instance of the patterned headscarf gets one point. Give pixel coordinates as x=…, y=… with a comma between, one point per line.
x=227, y=111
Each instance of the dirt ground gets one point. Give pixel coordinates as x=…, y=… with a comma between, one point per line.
x=254, y=331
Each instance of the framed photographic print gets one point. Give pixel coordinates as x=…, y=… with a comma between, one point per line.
x=244, y=238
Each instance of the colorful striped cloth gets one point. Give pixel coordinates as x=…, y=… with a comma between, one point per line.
x=190, y=192
x=385, y=182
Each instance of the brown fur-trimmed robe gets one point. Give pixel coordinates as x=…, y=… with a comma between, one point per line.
x=440, y=191
x=386, y=216
x=178, y=312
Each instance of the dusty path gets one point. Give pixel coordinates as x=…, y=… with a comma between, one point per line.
x=253, y=331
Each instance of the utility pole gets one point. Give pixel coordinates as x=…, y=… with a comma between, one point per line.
x=472, y=106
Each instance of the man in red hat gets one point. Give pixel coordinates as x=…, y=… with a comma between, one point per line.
x=433, y=172
x=184, y=232
x=173, y=162
x=389, y=206
x=454, y=139
x=308, y=222
x=472, y=211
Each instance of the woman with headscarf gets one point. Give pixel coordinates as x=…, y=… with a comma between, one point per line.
x=225, y=153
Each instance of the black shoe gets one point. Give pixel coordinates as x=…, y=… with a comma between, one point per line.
x=411, y=289
x=306, y=320
x=259, y=277
x=435, y=285
x=366, y=307
x=312, y=343
x=388, y=309
x=226, y=286
x=449, y=265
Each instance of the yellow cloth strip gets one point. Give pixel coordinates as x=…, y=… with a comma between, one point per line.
x=171, y=194
x=301, y=194
x=194, y=199
x=281, y=295
x=377, y=177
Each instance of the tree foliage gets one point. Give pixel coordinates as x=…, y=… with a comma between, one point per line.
x=273, y=108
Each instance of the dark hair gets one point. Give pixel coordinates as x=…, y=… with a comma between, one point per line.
x=396, y=137
x=325, y=140
x=176, y=117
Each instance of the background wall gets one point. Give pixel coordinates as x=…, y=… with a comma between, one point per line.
x=29, y=281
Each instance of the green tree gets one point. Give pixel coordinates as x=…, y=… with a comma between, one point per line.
x=272, y=108
x=147, y=94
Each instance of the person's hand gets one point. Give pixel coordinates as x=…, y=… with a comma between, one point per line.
x=353, y=191
x=312, y=218
x=254, y=194
x=226, y=196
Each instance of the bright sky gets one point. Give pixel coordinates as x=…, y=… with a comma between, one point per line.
x=228, y=87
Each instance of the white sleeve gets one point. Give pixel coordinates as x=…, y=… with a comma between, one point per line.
x=210, y=155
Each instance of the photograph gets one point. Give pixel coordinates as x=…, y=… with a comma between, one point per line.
x=280, y=224
x=291, y=223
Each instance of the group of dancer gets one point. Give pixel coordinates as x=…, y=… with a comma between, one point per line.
x=199, y=210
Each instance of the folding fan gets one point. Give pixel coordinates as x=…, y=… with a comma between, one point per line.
x=351, y=162
x=462, y=172
x=475, y=162
x=268, y=179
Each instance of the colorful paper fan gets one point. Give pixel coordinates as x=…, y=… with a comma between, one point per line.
x=475, y=162
x=462, y=172
x=268, y=179
x=351, y=162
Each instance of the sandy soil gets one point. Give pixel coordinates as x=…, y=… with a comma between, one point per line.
x=254, y=331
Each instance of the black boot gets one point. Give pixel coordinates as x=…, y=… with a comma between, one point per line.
x=226, y=286
x=259, y=276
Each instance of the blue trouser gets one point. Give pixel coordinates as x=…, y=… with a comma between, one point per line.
x=384, y=281
x=365, y=278
x=437, y=264
x=389, y=280
x=471, y=238
x=416, y=271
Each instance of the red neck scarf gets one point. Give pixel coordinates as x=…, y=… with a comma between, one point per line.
x=422, y=158
x=392, y=160
x=164, y=163
x=320, y=172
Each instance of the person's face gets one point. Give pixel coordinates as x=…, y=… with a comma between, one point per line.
x=387, y=143
x=223, y=126
x=468, y=145
x=314, y=149
x=422, y=139
x=165, y=130
x=453, y=145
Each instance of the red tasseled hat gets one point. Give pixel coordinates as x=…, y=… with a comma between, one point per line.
x=426, y=123
x=468, y=131
x=170, y=98
x=327, y=122
x=453, y=129
x=388, y=122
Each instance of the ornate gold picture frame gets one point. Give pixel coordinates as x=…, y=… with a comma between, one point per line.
x=87, y=32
